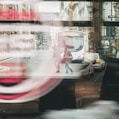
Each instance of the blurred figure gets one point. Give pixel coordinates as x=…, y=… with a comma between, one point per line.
x=67, y=59
x=58, y=47
x=57, y=58
x=91, y=42
x=106, y=46
x=113, y=49
x=70, y=11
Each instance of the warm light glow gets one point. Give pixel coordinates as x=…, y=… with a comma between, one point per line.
x=97, y=60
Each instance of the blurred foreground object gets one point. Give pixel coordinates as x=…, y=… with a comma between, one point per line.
x=98, y=110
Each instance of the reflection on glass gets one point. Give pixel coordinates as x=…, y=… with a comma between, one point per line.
x=76, y=11
x=65, y=11
x=111, y=11
x=74, y=39
x=46, y=10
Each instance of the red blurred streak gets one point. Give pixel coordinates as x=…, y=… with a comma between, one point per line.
x=8, y=97
x=43, y=88
x=11, y=80
x=12, y=64
x=13, y=71
x=15, y=15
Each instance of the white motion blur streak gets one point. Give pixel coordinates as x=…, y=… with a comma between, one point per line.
x=98, y=110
